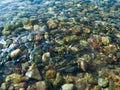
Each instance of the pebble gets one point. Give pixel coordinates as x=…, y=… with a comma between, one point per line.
x=15, y=53
x=46, y=56
x=41, y=85
x=50, y=74
x=4, y=86
x=67, y=87
x=51, y=37
x=33, y=72
x=36, y=27
x=52, y=24
x=103, y=82
x=105, y=40
x=22, y=85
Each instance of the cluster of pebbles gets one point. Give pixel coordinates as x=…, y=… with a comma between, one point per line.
x=60, y=45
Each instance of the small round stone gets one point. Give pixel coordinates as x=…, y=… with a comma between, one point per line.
x=103, y=82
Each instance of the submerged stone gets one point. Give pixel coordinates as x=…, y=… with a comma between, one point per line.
x=33, y=72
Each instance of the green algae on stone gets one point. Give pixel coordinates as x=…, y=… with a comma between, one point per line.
x=28, y=27
x=103, y=82
x=5, y=32
x=25, y=21
x=52, y=23
x=58, y=80
x=91, y=79
x=60, y=49
x=96, y=88
x=9, y=27
x=83, y=43
x=13, y=78
x=70, y=39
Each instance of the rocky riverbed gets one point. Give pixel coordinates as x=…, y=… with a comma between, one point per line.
x=60, y=45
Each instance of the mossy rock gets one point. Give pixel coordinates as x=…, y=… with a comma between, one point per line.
x=28, y=27
x=9, y=27
x=58, y=80
x=25, y=21
x=13, y=78
x=61, y=49
x=18, y=24
x=83, y=43
x=19, y=29
x=70, y=39
x=97, y=88
x=91, y=79
x=5, y=32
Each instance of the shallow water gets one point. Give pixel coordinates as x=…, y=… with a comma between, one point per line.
x=68, y=44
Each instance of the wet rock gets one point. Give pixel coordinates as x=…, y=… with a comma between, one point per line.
x=22, y=85
x=105, y=40
x=28, y=27
x=103, y=82
x=21, y=88
x=52, y=23
x=83, y=43
x=68, y=79
x=111, y=48
x=46, y=36
x=91, y=78
x=38, y=37
x=15, y=53
x=13, y=78
x=33, y=72
x=31, y=88
x=24, y=21
x=74, y=49
x=51, y=10
x=82, y=64
x=41, y=85
x=25, y=66
x=97, y=88
x=67, y=87
x=4, y=86
x=81, y=84
x=4, y=32
x=50, y=74
x=36, y=27
x=58, y=80
x=11, y=88
x=46, y=56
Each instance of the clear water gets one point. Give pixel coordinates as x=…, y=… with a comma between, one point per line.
x=80, y=38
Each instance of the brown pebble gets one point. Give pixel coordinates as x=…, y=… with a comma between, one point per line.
x=50, y=74
x=24, y=78
x=22, y=84
x=117, y=88
x=68, y=79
